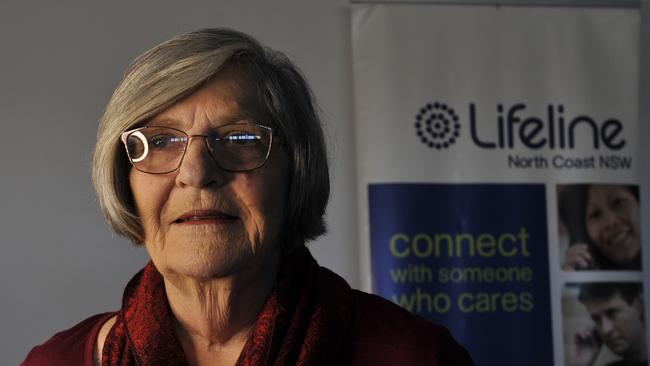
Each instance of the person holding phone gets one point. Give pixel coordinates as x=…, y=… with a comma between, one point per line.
x=604, y=227
x=617, y=312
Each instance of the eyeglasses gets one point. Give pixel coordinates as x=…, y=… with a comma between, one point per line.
x=235, y=147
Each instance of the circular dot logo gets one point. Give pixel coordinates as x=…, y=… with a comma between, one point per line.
x=437, y=125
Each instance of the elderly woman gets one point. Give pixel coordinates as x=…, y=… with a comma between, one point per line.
x=210, y=153
x=604, y=227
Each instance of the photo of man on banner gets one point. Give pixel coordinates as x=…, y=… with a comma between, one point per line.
x=615, y=335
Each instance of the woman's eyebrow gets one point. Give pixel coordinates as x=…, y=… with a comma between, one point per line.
x=237, y=117
x=165, y=122
x=592, y=206
x=221, y=120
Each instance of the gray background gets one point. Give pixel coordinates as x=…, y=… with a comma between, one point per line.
x=59, y=62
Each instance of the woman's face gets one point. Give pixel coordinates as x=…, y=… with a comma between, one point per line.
x=612, y=219
x=201, y=221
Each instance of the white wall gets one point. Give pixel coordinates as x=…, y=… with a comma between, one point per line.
x=59, y=62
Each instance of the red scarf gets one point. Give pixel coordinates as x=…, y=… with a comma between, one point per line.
x=305, y=321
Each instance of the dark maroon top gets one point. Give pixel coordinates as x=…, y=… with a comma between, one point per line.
x=72, y=347
x=382, y=334
x=385, y=334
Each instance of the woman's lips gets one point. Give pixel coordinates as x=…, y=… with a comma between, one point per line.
x=202, y=217
x=619, y=238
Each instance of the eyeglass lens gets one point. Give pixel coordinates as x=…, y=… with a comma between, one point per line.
x=236, y=147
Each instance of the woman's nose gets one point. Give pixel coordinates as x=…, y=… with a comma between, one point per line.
x=198, y=168
x=611, y=219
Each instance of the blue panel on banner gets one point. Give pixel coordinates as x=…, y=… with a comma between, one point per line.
x=473, y=257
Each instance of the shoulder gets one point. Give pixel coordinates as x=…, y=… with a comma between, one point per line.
x=70, y=347
x=386, y=334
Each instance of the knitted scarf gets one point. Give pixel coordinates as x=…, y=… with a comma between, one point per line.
x=305, y=321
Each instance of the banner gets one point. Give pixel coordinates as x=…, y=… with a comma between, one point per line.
x=498, y=176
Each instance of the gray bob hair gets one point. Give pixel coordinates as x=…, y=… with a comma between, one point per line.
x=178, y=67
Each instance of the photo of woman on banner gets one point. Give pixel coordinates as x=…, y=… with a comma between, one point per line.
x=602, y=222
x=611, y=332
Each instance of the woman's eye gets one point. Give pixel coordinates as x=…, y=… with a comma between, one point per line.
x=242, y=139
x=618, y=202
x=593, y=215
x=159, y=142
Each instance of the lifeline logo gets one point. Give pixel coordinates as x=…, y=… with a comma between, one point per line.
x=437, y=125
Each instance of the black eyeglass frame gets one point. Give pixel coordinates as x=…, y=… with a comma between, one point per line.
x=271, y=132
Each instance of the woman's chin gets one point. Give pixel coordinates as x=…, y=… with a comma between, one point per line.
x=202, y=263
x=200, y=269
x=212, y=257
x=628, y=259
